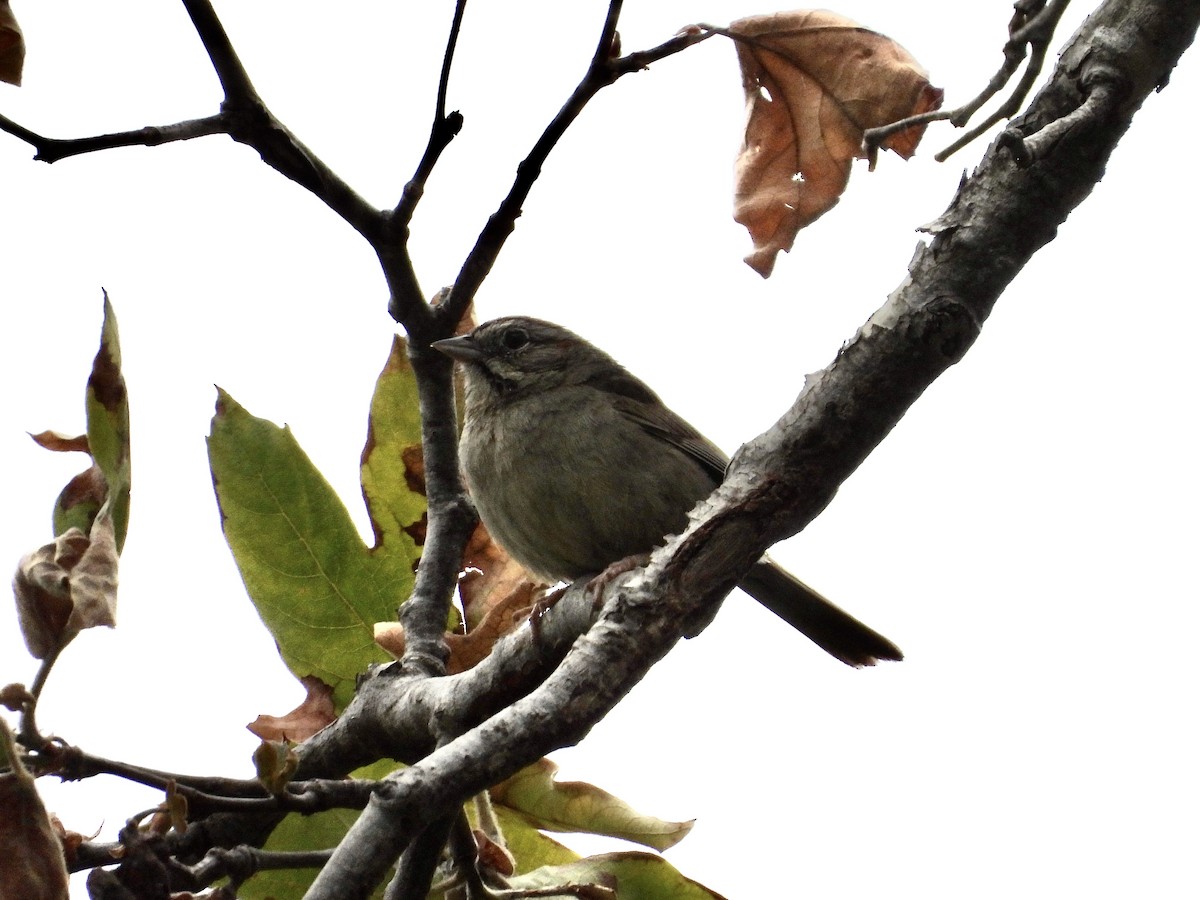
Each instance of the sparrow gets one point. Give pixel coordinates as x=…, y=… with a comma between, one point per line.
x=574, y=465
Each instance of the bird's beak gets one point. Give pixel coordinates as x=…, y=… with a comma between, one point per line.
x=461, y=348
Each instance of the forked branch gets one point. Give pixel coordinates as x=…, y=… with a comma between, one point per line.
x=1029, y=31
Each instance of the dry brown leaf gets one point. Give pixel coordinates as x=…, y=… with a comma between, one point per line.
x=493, y=856
x=67, y=586
x=466, y=650
x=390, y=636
x=491, y=577
x=42, y=587
x=71, y=840
x=12, y=46
x=814, y=82
x=304, y=721
x=15, y=696
x=94, y=578
x=62, y=443
x=31, y=858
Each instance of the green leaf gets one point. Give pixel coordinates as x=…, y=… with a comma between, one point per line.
x=107, y=406
x=635, y=876
x=577, y=806
x=320, y=831
x=392, y=473
x=317, y=587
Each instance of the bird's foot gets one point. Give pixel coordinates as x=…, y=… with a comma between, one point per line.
x=595, y=587
x=546, y=602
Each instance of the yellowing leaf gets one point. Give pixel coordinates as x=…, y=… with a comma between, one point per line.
x=107, y=403
x=317, y=587
x=392, y=470
x=531, y=848
x=576, y=806
x=615, y=876
x=275, y=763
x=814, y=82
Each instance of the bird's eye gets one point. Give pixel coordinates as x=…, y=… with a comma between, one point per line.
x=514, y=338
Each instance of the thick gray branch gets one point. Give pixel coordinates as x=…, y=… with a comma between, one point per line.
x=1000, y=217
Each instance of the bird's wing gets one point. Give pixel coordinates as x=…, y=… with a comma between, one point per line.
x=634, y=399
x=661, y=422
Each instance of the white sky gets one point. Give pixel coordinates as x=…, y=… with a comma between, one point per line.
x=1026, y=534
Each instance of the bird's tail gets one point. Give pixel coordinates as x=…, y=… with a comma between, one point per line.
x=834, y=631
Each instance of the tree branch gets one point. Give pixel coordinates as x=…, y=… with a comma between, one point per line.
x=1000, y=217
x=506, y=713
x=51, y=150
x=605, y=68
x=1033, y=24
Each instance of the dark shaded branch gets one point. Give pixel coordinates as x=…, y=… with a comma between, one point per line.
x=465, y=853
x=29, y=736
x=240, y=863
x=444, y=129
x=406, y=302
x=414, y=875
x=451, y=514
x=244, y=117
x=51, y=150
x=235, y=81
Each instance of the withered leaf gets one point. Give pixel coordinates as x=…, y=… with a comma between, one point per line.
x=466, y=650
x=274, y=764
x=33, y=867
x=313, y=714
x=493, y=856
x=12, y=46
x=42, y=587
x=15, y=696
x=67, y=586
x=61, y=443
x=94, y=578
x=491, y=577
x=814, y=82
x=71, y=840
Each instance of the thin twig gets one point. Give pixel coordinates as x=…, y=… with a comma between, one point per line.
x=419, y=862
x=29, y=736
x=239, y=863
x=466, y=858
x=209, y=794
x=602, y=72
x=51, y=150
x=406, y=302
x=1032, y=27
